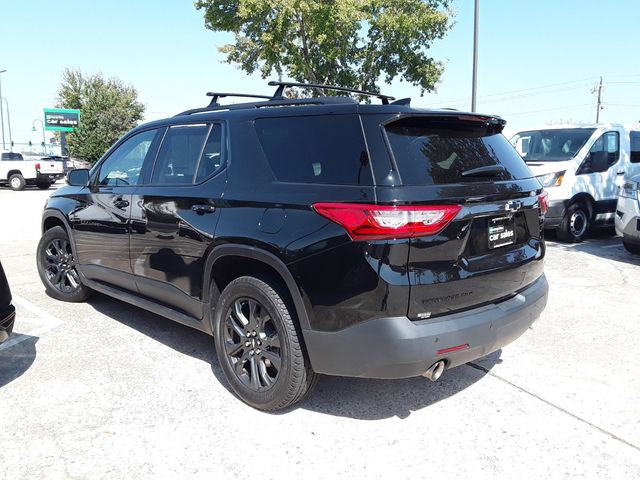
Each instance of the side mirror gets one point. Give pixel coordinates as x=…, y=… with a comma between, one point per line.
x=78, y=177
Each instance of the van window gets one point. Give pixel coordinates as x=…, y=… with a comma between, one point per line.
x=433, y=152
x=634, y=155
x=316, y=149
x=552, y=145
x=604, y=152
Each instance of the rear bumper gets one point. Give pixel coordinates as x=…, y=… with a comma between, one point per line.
x=398, y=347
x=7, y=319
x=49, y=177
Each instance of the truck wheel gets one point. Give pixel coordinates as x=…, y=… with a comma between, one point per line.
x=17, y=182
x=43, y=185
x=258, y=346
x=575, y=223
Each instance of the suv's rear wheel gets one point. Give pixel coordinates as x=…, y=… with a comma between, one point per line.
x=258, y=346
x=575, y=223
x=57, y=267
x=43, y=185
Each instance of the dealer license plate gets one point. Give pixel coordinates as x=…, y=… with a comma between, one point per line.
x=501, y=232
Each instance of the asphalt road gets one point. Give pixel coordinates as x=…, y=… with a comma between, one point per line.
x=105, y=390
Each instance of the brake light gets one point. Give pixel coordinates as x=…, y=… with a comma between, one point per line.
x=383, y=222
x=37, y=167
x=543, y=201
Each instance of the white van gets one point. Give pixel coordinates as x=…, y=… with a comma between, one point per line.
x=582, y=168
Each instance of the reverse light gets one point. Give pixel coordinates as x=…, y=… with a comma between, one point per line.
x=551, y=179
x=543, y=202
x=384, y=222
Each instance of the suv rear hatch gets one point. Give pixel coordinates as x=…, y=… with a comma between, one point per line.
x=494, y=246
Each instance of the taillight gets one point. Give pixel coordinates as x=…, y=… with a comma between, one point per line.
x=383, y=222
x=37, y=167
x=543, y=201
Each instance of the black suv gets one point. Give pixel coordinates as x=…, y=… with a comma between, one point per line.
x=310, y=236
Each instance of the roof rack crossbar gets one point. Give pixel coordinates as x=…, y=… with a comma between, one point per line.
x=217, y=95
x=278, y=95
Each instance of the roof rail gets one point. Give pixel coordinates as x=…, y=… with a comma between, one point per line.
x=285, y=102
x=282, y=85
x=217, y=95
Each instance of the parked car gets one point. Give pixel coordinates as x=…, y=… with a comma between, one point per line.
x=7, y=310
x=66, y=163
x=628, y=215
x=582, y=168
x=310, y=236
x=17, y=172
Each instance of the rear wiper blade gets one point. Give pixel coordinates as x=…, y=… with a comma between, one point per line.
x=486, y=171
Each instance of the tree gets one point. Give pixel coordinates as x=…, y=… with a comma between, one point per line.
x=108, y=109
x=350, y=43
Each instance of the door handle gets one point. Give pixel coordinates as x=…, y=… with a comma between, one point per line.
x=120, y=203
x=620, y=172
x=201, y=209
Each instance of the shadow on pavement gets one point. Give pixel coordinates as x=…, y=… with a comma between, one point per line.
x=16, y=359
x=600, y=242
x=363, y=399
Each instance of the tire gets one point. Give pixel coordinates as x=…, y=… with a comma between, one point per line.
x=43, y=185
x=261, y=354
x=17, y=182
x=56, y=267
x=631, y=247
x=575, y=223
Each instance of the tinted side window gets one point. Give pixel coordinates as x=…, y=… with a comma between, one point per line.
x=179, y=154
x=634, y=137
x=123, y=166
x=212, y=160
x=434, y=152
x=11, y=156
x=316, y=149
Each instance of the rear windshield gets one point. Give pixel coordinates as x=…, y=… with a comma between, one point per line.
x=316, y=149
x=553, y=145
x=435, y=152
x=11, y=156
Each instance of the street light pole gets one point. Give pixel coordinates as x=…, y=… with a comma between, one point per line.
x=33, y=128
x=474, y=82
x=8, y=120
x=1, y=114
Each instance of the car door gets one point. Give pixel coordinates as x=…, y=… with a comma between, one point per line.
x=598, y=173
x=174, y=216
x=100, y=221
x=632, y=168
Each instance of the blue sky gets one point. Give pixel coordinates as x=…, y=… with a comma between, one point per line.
x=538, y=59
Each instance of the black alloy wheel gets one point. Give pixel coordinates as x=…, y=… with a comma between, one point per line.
x=252, y=344
x=258, y=343
x=57, y=267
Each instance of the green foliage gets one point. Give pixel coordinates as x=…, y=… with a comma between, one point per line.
x=108, y=109
x=350, y=43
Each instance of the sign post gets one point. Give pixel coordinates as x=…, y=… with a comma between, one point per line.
x=62, y=120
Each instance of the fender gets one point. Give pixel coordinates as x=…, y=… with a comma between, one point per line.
x=57, y=214
x=262, y=256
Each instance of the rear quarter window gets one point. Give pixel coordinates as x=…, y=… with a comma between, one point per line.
x=316, y=149
x=11, y=156
x=431, y=151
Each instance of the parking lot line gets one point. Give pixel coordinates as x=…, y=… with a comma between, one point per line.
x=44, y=320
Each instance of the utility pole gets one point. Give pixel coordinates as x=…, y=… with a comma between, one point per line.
x=599, y=90
x=1, y=114
x=474, y=82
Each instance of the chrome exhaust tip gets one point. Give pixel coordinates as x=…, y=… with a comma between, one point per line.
x=434, y=372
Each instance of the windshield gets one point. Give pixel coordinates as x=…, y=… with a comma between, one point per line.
x=552, y=145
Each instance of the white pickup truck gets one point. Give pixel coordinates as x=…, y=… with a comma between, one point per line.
x=17, y=172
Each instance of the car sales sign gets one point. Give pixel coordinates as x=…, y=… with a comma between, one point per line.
x=61, y=119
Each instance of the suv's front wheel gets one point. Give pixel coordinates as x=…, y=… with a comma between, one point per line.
x=258, y=346
x=57, y=267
